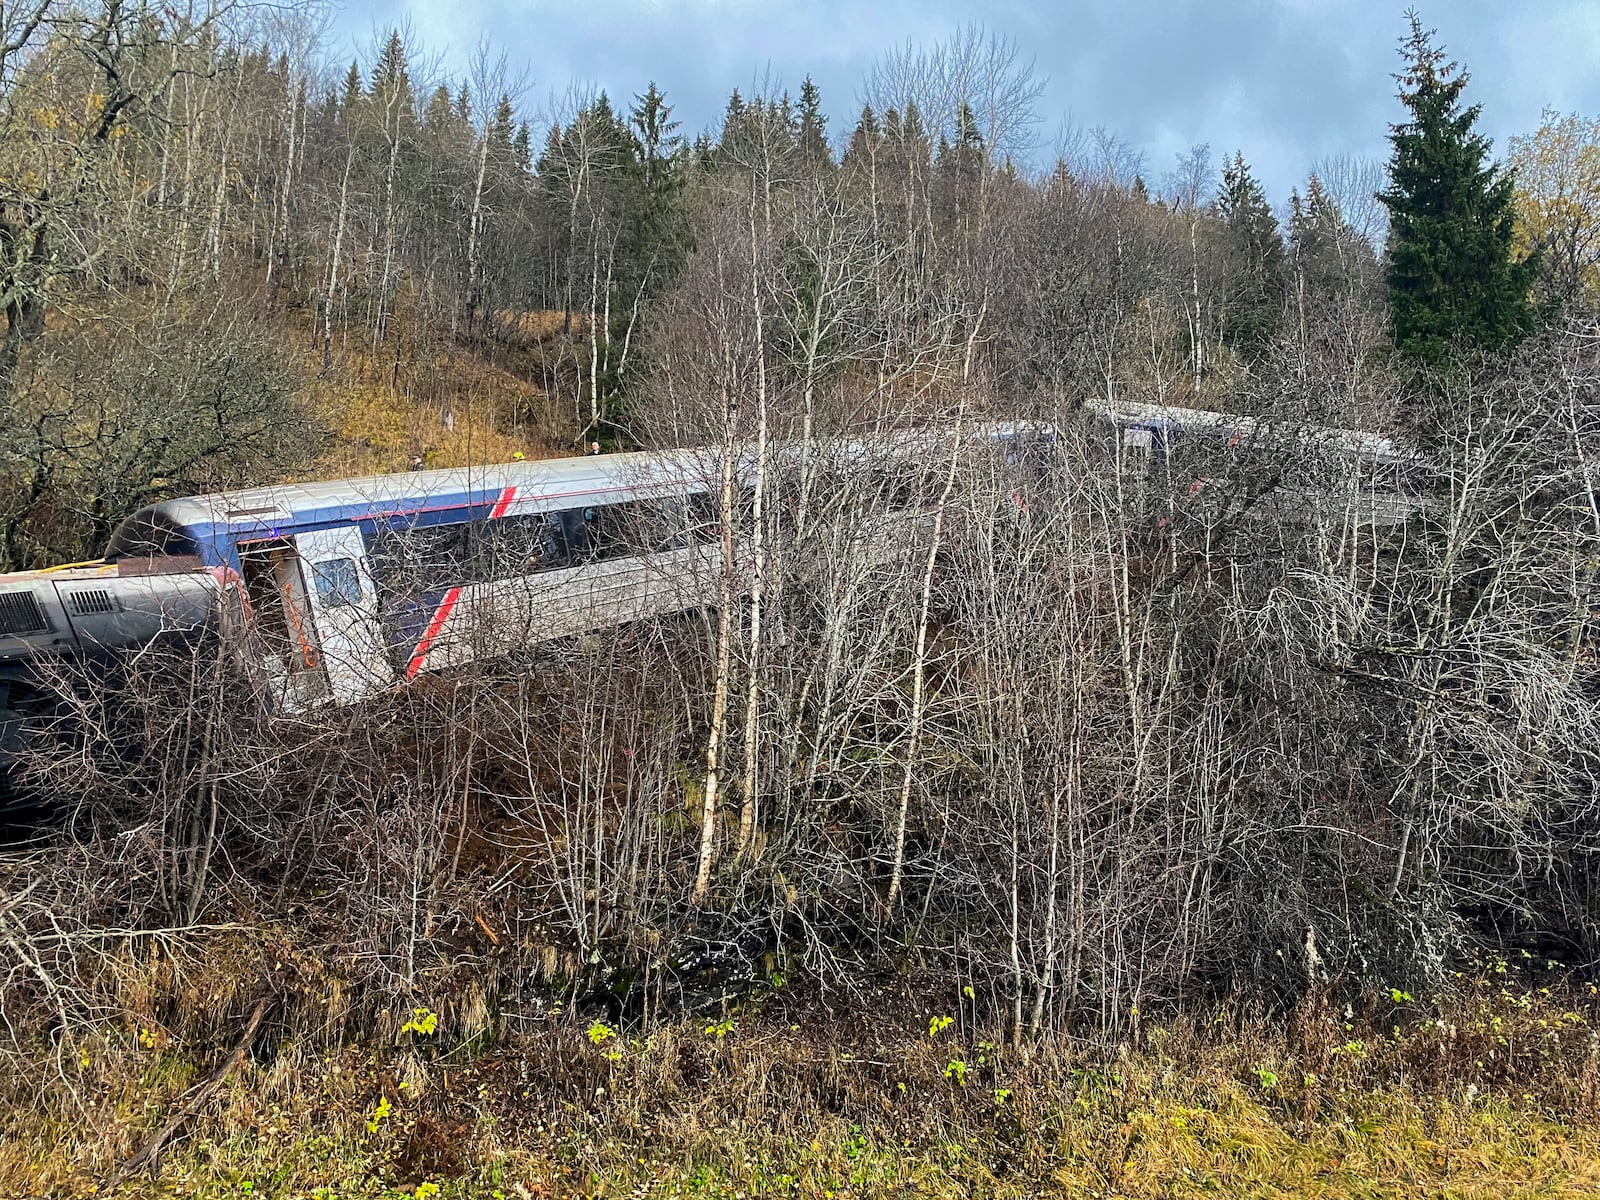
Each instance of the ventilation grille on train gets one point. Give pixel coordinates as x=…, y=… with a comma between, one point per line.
x=20, y=613
x=90, y=603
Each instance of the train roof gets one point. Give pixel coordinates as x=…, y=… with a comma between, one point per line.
x=1353, y=441
x=298, y=505
x=407, y=491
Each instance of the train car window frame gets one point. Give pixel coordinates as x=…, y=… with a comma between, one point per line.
x=524, y=544
x=704, y=517
x=337, y=582
x=417, y=560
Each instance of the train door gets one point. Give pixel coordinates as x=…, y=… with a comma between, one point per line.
x=283, y=633
x=344, y=603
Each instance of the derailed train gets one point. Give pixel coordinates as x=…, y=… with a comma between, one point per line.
x=350, y=587
x=347, y=588
x=353, y=586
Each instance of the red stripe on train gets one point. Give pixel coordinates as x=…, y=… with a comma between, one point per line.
x=435, y=626
x=500, y=505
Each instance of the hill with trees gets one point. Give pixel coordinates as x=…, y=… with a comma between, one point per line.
x=1135, y=824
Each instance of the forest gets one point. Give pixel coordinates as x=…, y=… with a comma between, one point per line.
x=1123, y=833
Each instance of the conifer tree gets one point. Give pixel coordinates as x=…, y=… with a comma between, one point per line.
x=813, y=139
x=353, y=89
x=657, y=131
x=734, y=132
x=437, y=117
x=1328, y=256
x=1452, y=276
x=703, y=153
x=504, y=126
x=662, y=155
x=867, y=133
x=1254, y=252
x=391, y=76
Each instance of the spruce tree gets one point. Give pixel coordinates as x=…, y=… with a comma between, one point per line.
x=735, y=129
x=353, y=90
x=813, y=140
x=860, y=155
x=662, y=160
x=391, y=76
x=867, y=133
x=1328, y=256
x=1255, y=259
x=504, y=126
x=657, y=131
x=1452, y=277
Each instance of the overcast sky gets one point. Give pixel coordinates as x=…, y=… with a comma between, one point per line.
x=1285, y=81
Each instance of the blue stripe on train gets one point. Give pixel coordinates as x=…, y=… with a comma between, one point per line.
x=219, y=541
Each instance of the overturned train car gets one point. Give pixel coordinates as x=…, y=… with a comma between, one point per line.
x=349, y=587
x=340, y=590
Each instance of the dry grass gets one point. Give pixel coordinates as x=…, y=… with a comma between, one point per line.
x=530, y=327
x=1486, y=1091
x=426, y=395
x=448, y=410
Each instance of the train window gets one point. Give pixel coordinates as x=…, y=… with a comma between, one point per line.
x=410, y=560
x=386, y=553
x=149, y=533
x=522, y=545
x=337, y=581
x=598, y=532
x=578, y=528
x=589, y=533
x=442, y=555
x=632, y=528
x=666, y=525
x=705, y=521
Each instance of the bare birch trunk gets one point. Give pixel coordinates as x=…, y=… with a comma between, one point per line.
x=333, y=262
x=381, y=323
x=719, y=700
x=475, y=225
x=280, y=232
x=919, y=665
x=747, y=814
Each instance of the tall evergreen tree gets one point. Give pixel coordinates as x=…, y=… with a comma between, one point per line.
x=735, y=128
x=867, y=132
x=1255, y=259
x=353, y=90
x=1328, y=257
x=1452, y=276
x=522, y=148
x=504, y=126
x=391, y=76
x=659, y=143
x=662, y=164
x=813, y=140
